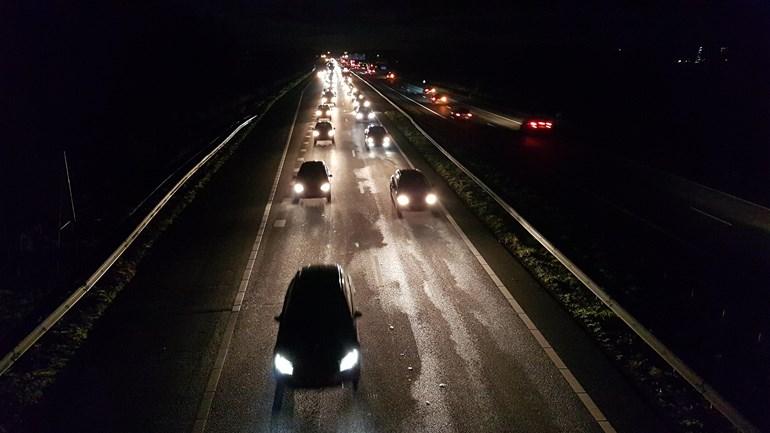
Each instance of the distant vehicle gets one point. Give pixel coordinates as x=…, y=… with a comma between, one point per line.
x=438, y=98
x=329, y=97
x=375, y=135
x=317, y=344
x=429, y=91
x=460, y=113
x=364, y=114
x=323, y=131
x=537, y=125
x=410, y=190
x=390, y=76
x=324, y=111
x=312, y=181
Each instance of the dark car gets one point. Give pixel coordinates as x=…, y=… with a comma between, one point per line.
x=364, y=114
x=537, y=125
x=323, y=131
x=376, y=135
x=324, y=111
x=460, y=113
x=329, y=97
x=317, y=344
x=410, y=190
x=312, y=181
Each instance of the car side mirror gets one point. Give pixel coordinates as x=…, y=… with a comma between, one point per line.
x=277, y=318
x=357, y=314
x=331, y=175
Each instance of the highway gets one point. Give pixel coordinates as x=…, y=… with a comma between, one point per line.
x=455, y=335
x=696, y=254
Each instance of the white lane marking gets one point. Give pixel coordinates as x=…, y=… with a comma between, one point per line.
x=303, y=150
x=204, y=409
x=489, y=113
x=280, y=223
x=571, y=380
x=713, y=217
x=300, y=159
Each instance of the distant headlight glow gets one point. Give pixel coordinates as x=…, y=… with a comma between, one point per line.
x=431, y=199
x=325, y=187
x=298, y=188
x=349, y=361
x=370, y=116
x=284, y=366
x=402, y=200
x=359, y=116
x=323, y=100
x=367, y=103
x=386, y=141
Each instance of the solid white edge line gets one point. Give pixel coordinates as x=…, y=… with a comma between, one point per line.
x=556, y=361
x=689, y=375
x=713, y=217
x=204, y=408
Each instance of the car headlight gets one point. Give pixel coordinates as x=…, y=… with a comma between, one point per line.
x=320, y=75
x=349, y=361
x=325, y=187
x=316, y=133
x=431, y=198
x=323, y=100
x=402, y=199
x=298, y=188
x=370, y=116
x=284, y=366
x=367, y=103
x=359, y=116
x=443, y=99
x=370, y=140
x=361, y=96
x=317, y=112
x=331, y=133
x=386, y=141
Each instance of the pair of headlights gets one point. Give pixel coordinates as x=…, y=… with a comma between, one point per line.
x=385, y=141
x=299, y=188
x=369, y=116
x=329, y=133
x=403, y=199
x=286, y=368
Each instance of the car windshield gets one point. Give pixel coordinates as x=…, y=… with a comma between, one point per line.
x=312, y=170
x=323, y=125
x=377, y=130
x=412, y=180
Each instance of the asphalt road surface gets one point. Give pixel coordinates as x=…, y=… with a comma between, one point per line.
x=188, y=345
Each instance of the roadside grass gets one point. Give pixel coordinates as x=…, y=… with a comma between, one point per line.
x=674, y=398
x=25, y=384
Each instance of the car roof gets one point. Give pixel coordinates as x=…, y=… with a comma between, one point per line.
x=318, y=288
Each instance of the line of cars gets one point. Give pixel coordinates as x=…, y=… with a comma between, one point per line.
x=317, y=344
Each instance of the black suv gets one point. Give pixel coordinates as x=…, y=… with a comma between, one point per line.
x=312, y=181
x=317, y=344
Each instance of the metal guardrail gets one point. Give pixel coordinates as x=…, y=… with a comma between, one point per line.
x=703, y=388
x=28, y=341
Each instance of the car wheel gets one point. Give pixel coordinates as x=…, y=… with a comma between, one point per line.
x=315, y=142
x=399, y=214
x=295, y=200
x=435, y=213
x=280, y=390
x=333, y=143
x=329, y=198
x=355, y=385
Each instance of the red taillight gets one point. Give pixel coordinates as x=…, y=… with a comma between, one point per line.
x=533, y=125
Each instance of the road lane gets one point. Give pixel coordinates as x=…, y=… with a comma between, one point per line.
x=442, y=349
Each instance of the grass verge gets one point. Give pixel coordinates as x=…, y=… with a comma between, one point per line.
x=674, y=398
